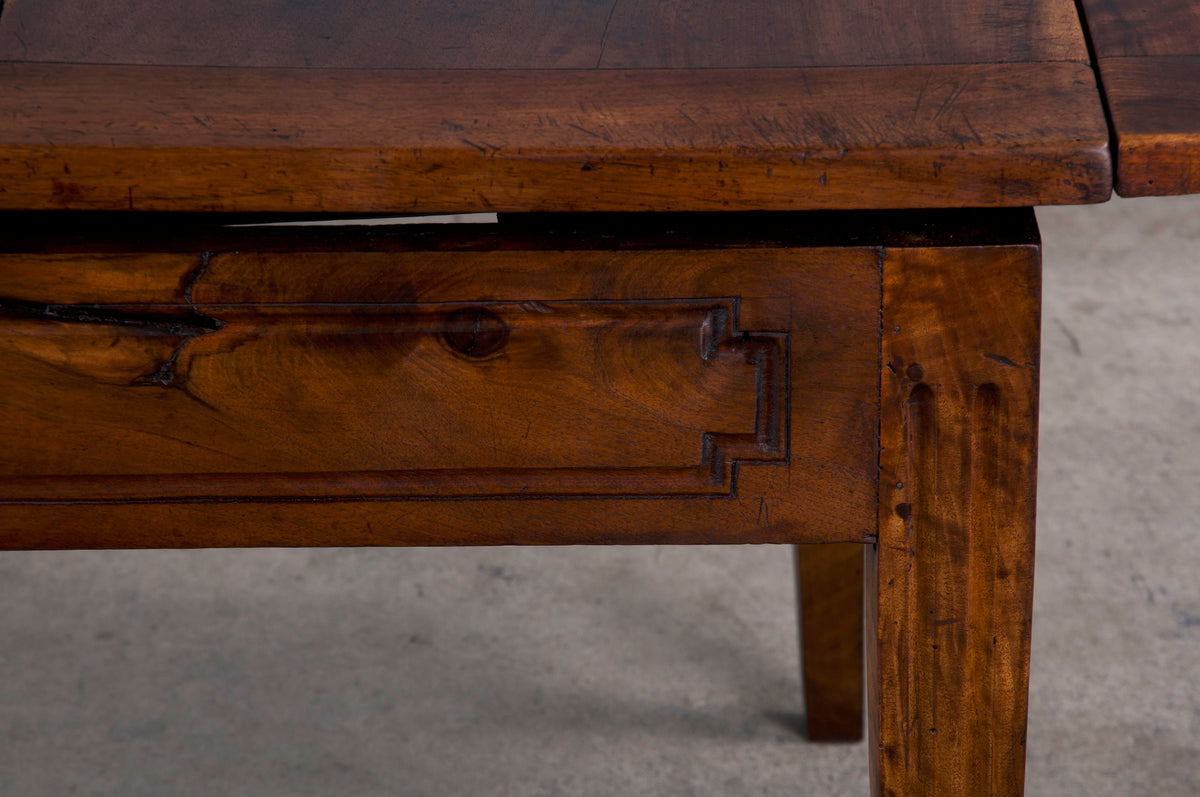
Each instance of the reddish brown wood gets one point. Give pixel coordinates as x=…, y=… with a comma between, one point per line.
x=950, y=579
x=829, y=585
x=631, y=398
x=236, y=394
x=716, y=394
x=148, y=138
x=853, y=33
x=1155, y=106
x=293, y=320
x=1135, y=28
x=1148, y=54
x=424, y=34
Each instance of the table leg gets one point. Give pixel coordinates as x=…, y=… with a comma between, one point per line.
x=949, y=583
x=829, y=592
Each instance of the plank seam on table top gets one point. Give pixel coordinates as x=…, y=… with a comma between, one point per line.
x=1113, y=143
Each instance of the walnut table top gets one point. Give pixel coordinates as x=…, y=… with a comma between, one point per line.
x=414, y=106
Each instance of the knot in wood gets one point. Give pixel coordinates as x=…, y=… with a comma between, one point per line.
x=474, y=332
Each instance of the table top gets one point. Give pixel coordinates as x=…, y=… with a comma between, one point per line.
x=546, y=105
x=1148, y=56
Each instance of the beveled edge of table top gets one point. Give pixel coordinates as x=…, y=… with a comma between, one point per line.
x=452, y=141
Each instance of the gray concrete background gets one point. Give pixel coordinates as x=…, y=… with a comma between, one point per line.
x=656, y=671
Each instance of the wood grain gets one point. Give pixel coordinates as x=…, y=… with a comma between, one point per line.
x=950, y=579
x=709, y=33
x=1155, y=108
x=177, y=139
x=635, y=398
x=1134, y=28
x=424, y=34
x=342, y=398
x=829, y=590
x=1148, y=56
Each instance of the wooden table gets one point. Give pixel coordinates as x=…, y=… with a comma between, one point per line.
x=728, y=299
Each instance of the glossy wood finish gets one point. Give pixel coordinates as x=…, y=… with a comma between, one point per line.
x=626, y=106
x=950, y=581
x=1148, y=55
x=437, y=390
x=829, y=591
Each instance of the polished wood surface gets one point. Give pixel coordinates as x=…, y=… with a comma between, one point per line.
x=172, y=377
x=674, y=379
x=950, y=582
x=409, y=400
x=319, y=140
x=540, y=34
x=1140, y=28
x=829, y=592
x=438, y=387
x=1148, y=56
x=563, y=107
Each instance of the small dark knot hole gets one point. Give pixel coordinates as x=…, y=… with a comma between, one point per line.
x=915, y=372
x=474, y=332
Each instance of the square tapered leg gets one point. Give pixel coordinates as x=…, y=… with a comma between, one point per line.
x=950, y=579
x=829, y=587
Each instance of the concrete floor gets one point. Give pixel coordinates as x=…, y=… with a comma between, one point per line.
x=646, y=671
